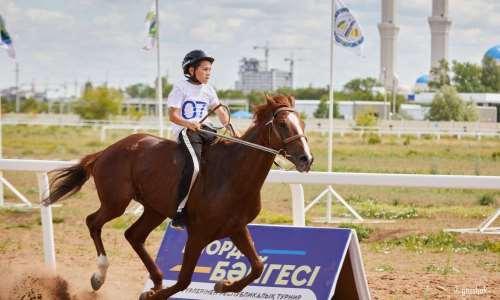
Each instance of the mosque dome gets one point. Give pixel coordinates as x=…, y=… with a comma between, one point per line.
x=423, y=79
x=494, y=52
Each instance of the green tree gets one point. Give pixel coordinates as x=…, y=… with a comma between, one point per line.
x=361, y=89
x=491, y=75
x=32, y=105
x=166, y=87
x=8, y=106
x=364, y=85
x=287, y=91
x=366, y=119
x=322, y=110
x=467, y=77
x=256, y=98
x=87, y=86
x=99, y=103
x=310, y=93
x=230, y=94
x=448, y=106
x=440, y=75
x=140, y=90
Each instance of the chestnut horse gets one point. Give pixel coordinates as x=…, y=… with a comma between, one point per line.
x=223, y=200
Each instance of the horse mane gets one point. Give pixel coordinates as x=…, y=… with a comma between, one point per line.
x=264, y=112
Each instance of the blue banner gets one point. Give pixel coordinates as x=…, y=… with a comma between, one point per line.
x=300, y=263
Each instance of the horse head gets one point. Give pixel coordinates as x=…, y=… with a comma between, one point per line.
x=286, y=131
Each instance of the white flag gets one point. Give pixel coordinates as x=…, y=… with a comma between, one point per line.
x=347, y=32
x=5, y=40
x=151, y=28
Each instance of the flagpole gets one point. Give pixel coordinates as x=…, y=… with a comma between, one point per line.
x=159, y=89
x=330, y=113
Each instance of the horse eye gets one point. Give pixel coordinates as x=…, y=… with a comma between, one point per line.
x=282, y=125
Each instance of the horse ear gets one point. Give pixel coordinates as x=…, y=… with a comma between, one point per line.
x=291, y=99
x=269, y=99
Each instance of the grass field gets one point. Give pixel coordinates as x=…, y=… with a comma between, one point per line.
x=407, y=258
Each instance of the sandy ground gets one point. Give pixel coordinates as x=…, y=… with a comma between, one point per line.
x=391, y=274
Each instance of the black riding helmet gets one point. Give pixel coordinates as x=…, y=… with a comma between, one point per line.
x=192, y=58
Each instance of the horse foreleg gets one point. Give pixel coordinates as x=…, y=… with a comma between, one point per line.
x=243, y=241
x=192, y=252
x=137, y=234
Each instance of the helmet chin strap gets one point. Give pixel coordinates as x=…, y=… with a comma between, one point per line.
x=192, y=79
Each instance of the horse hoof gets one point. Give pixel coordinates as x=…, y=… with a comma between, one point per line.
x=220, y=286
x=96, y=281
x=146, y=295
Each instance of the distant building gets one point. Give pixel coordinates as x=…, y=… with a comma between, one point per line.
x=253, y=77
x=494, y=52
x=422, y=83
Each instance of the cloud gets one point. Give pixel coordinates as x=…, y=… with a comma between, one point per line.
x=49, y=17
x=92, y=36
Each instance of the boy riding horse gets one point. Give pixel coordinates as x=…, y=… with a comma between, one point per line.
x=189, y=103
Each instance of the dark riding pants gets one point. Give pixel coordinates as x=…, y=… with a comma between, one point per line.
x=192, y=142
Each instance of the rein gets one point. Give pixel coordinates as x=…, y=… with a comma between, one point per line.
x=285, y=141
x=243, y=142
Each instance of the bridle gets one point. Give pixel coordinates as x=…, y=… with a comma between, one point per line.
x=286, y=141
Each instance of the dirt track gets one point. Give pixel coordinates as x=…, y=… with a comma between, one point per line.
x=406, y=278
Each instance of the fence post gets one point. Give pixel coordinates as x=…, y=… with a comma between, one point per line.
x=298, y=211
x=103, y=134
x=2, y=201
x=47, y=227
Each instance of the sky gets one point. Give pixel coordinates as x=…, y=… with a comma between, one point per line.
x=61, y=42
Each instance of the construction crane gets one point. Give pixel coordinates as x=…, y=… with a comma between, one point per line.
x=266, y=49
x=292, y=61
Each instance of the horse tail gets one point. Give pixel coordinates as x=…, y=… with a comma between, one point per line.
x=70, y=180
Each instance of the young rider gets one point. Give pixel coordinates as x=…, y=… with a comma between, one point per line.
x=188, y=103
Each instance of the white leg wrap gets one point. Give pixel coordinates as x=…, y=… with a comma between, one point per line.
x=102, y=266
x=196, y=168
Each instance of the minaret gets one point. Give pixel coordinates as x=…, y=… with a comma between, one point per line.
x=388, y=30
x=440, y=26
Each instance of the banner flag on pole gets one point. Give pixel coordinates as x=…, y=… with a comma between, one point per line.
x=151, y=28
x=5, y=40
x=347, y=31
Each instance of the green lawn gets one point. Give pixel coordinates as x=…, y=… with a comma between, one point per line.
x=351, y=154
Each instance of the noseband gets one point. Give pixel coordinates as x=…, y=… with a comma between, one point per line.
x=287, y=140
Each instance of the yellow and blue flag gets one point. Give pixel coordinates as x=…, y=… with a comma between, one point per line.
x=5, y=40
x=347, y=31
x=151, y=28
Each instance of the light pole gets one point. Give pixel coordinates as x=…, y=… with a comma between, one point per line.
x=18, y=105
x=385, y=93
x=394, y=90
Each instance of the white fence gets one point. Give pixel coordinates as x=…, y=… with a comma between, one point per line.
x=294, y=179
x=399, y=128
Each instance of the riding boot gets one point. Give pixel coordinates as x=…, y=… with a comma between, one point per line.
x=179, y=220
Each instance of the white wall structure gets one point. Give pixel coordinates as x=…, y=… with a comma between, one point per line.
x=253, y=77
x=440, y=26
x=388, y=30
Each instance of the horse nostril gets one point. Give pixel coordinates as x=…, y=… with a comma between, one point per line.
x=304, y=159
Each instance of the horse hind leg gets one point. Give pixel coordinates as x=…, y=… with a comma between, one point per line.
x=243, y=241
x=136, y=235
x=95, y=221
